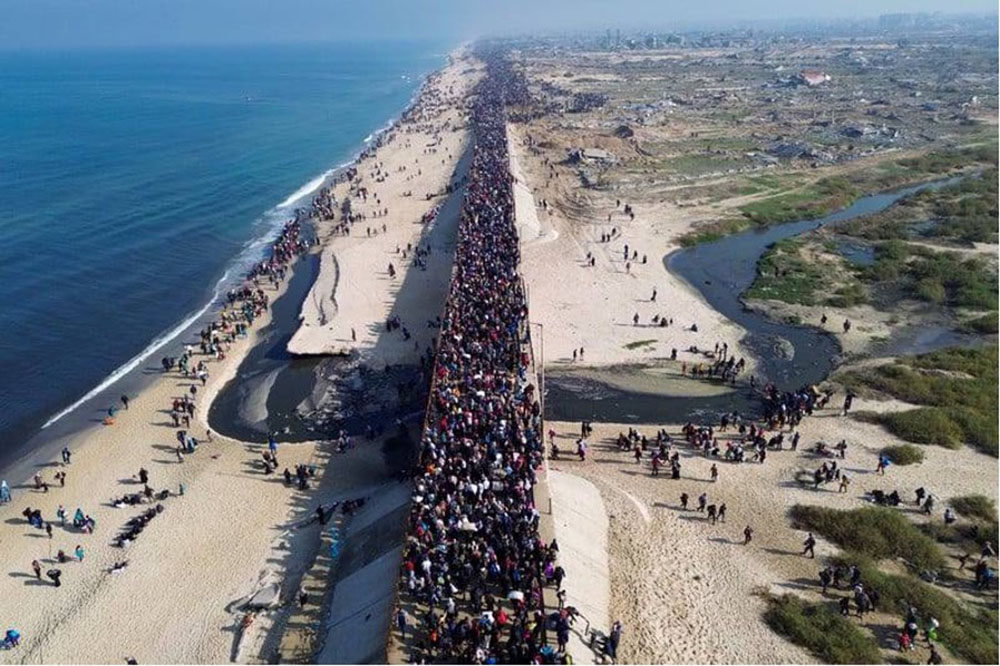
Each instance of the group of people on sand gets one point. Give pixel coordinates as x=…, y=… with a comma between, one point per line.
x=474, y=563
x=241, y=308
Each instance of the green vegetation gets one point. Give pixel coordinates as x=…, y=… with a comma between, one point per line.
x=975, y=506
x=713, y=231
x=833, y=192
x=785, y=273
x=958, y=388
x=904, y=454
x=820, y=629
x=875, y=532
x=943, y=278
x=966, y=536
x=638, y=343
x=987, y=324
x=931, y=425
x=970, y=633
x=964, y=212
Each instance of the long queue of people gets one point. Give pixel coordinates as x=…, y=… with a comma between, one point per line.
x=474, y=561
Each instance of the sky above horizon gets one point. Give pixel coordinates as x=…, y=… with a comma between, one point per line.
x=113, y=23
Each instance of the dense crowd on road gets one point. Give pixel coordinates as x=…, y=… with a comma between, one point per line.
x=474, y=562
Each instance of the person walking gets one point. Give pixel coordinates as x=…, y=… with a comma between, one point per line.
x=37, y=568
x=79, y=553
x=810, y=544
x=125, y=401
x=401, y=622
x=747, y=535
x=715, y=472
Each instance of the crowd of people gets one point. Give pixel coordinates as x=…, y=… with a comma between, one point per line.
x=474, y=560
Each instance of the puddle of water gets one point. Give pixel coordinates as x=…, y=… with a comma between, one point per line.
x=857, y=254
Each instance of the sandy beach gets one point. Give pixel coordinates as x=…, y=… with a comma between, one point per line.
x=680, y=584
x=686, y=591
x=235, y=528
x=597, y=313
x=408, y=175
x=597, y=288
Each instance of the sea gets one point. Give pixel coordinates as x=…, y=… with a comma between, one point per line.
x=137, y=185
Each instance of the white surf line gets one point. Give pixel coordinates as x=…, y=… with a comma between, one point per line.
x=643, y=511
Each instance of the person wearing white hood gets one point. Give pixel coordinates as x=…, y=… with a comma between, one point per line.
x=4, y=492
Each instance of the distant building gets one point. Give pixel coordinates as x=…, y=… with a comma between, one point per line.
x=813, y=77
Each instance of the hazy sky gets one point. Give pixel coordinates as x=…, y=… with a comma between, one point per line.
x=48, y=23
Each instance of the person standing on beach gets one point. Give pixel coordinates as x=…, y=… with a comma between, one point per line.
x=848, y=401
x=66, y=455
x=37, y=568
x=684, y=501
x=715, y=473
x=4, y=492
x=125, y=401
x=79, y=553
x=747, y=535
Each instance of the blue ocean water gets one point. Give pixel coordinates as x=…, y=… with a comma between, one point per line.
x=133, y=182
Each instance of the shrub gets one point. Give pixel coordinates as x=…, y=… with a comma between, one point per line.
x=821, y=630
x=927, y=425
x=975, y=506
x=904, y=454
x=969, y=633
x=876, y=532
x=986, y=324
x=959, y=387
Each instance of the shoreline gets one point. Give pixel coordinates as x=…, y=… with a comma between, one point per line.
x=223, y=474
x=70, y=423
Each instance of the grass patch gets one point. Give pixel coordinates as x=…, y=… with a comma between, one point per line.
x=904, y=454
x=785, y=273
x=969, y=633
x=964, y=212
x=967, y=536
x=638, y=343
x=957, y=389
x=943, y=278
x=822, y=630
x=987, y=324
x=876, y=532
x=975, y=506
x=927, y=425
x=833, y=192
x=713, y=231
